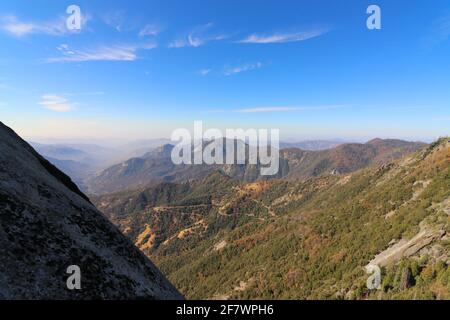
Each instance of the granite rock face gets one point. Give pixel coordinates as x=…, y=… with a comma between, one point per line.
x=47, y=224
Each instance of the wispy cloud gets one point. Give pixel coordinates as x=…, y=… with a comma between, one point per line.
x=204, y=72
x=283, y=37
x=150, y=30
x=242, y=68
x=286, y=109
x=444, y=27
x=197, y=37
x=440, y=30
x=179, y=43
x=102, y=53
x=15, y=27
x=195, y=41
x=55, y=103
x=115, y=19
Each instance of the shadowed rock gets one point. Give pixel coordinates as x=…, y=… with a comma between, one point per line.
x=47, y=224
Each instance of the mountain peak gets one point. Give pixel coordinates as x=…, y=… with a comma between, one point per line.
x=375, y=141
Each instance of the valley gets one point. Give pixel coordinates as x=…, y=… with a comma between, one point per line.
x=304, y=236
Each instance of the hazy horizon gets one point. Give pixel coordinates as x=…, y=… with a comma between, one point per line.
x=118, y=142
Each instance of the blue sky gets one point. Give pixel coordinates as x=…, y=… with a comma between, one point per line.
x=140, y=69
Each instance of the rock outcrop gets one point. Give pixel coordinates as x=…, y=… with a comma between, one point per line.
x=47, y=224
x=407, y=248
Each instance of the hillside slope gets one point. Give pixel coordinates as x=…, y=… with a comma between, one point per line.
x=47, y=224
x=300, y=239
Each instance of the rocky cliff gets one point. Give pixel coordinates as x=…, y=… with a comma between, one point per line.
x=47, y=225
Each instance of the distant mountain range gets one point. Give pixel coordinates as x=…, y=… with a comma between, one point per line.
x=76, y=160
x=345, y=158
x=312, y=238
x=156, y=166
x=311, y=145
x=47, y=224
x=80, y=160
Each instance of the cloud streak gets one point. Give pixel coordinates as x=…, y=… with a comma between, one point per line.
x=205, y=72
x=242, y=68
x=114, y=20
x=197, y=37
x=150, y=30
x=179, y=43
x=17, y=28
x=102, y=53
x=283, y=37
x=441, y=28
x=55, y=103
